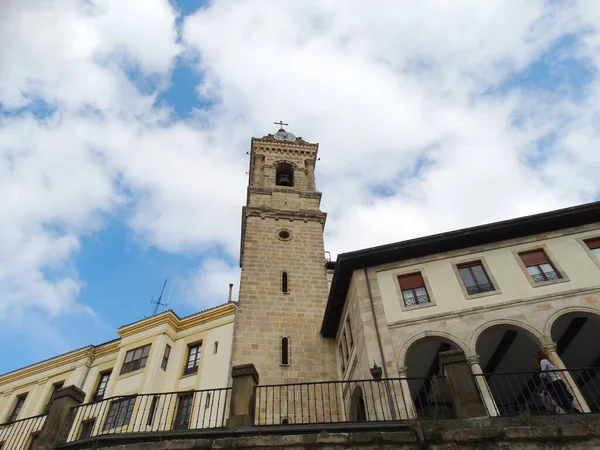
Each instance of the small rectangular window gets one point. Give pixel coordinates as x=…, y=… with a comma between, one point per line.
x=594, y=246
x=285, y=349
x=216, y=348
x=135, y=359
x=165, y=360
x=349, y=327
x=207, y=402
x=413, y=289
x=342, y=357
x=119, y=413
x=193, y=359
x=101, y=388
x=475, y=278
x=184, y=411
x=17, y=408
x=539, y=266
x=55, y=387
x=152, y=410
x=87, y=428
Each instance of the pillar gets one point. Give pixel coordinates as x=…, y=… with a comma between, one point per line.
x=310, y=174
x=550, y=350
x=58, y=421
x=467, y=401
x=408, y=412
x=482, y=386
x=241, y=409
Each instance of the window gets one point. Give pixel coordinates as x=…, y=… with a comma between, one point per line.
x=284, y=282
x=594, y=246
x=349, y=329
x=285, y=351
x=119, y=413
x=207, y=402
x=413, y=289
x=55, y=387
x=216, y=348
x=152, y=410
x=101, y=388
x=165, y=360
x=184, y=411
x=475, y=278
x=135, y=359
x=193, y=359
x=539, y=266
x=284, y=175
x=87, y=428
x=17, y=409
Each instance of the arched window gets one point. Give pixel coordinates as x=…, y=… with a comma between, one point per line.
x=284, y=282
x=284, y=175
x=285, y=351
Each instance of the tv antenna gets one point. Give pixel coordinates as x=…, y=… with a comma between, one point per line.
x=157, y=303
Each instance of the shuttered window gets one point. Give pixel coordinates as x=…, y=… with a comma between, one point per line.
x=413, y=289
x=594, y=246
x=539, y=266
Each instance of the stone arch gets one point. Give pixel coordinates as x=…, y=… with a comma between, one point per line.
x=429, y=334
x=547, y=330
x=533, y=333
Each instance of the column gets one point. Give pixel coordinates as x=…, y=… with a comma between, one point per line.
x=310, y=175
x=550, y=350
x=408, y=411
x=241, y=409
x=58, y=421
x=467, y=401
x=482, y=385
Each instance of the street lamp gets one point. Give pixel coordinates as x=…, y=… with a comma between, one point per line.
x=375, y=371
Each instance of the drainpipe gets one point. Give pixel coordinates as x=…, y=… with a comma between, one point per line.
x=385, y=370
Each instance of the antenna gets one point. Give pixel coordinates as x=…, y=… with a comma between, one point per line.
x=158, y=303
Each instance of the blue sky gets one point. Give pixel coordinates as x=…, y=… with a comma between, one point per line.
x=123, y=152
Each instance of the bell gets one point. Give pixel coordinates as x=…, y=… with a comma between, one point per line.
x=283, y=179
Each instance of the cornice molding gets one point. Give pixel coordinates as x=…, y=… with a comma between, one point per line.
x=85, y=354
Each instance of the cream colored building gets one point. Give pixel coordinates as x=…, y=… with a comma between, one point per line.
x=159, y=354
x=498, y=292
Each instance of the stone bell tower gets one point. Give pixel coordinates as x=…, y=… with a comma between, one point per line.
x=283, y=288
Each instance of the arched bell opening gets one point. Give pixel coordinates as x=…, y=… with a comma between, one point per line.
x=284, y=175
x=577, y=337
x=507, y=358
x=428, y=388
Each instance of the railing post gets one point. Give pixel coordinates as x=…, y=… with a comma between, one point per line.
x=466, y=399
x=550, y=350
x=58, y=421
x=241, y=409
x=484, y=389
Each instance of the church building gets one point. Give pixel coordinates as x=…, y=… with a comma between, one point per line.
x=388, y=333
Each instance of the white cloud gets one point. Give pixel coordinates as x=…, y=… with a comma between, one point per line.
x=209, y=285
x=380, y=88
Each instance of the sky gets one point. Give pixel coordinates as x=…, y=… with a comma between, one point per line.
x=124, y=127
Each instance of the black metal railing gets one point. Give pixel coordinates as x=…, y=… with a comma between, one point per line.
x=353, y=401
x=417, y=300
x=20, y=434
x=545, y=276
x=517, y=393
x=167, y=411
x=480, y=288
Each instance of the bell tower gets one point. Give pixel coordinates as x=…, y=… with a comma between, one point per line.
x=283, y=288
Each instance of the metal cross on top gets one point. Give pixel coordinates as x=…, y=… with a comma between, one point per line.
x=281, y=124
